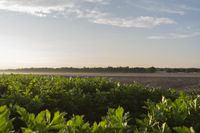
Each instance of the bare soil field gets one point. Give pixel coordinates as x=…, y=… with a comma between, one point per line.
x=180, y=81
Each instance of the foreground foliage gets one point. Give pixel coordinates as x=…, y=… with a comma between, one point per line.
x=47, y=104
x=179, y=116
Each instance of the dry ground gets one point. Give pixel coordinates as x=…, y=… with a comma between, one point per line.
x=183, y=81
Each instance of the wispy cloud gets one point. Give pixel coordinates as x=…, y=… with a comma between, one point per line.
x=37, y=8
x=99, y=17
x=43, y=8
x=157, y=37
x=162, y=9
x=188, y=8
x=138, y=22
x=98, y=1
x=156, y=6
x=175, y=36
x=162, y=6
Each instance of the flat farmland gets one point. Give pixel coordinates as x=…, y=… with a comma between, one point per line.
x=179, y=81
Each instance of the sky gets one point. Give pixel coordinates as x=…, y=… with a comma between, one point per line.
x=99, y=33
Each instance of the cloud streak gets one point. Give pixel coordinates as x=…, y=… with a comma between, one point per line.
x=37, y=8
x=162, y=9
x=175, y=36
x=44, y=8
x=162, y=6
x=138, y=22
x=98, y=1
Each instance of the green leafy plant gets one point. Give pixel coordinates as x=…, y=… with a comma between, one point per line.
x=76, y=125
x=38, y=100
x=5, y=122
x=43, y=122
x=184, y=129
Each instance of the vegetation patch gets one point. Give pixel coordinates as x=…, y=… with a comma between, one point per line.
x=44, y=104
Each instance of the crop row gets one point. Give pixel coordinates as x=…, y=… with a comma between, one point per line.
x=30, y=102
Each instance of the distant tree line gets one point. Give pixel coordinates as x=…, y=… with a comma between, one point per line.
x=186, y=70
x=106, y=70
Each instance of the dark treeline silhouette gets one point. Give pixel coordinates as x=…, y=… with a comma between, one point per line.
x=187, y=70
x=106, y=70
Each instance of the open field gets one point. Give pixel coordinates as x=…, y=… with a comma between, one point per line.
x=183, y=81
x=55, y=104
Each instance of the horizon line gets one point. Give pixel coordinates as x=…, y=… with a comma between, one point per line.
x=71, y=67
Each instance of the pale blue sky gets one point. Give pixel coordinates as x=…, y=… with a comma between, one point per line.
x=93, y=33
